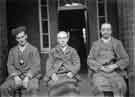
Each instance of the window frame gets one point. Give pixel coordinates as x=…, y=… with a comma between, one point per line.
x=42, y=34
x=105, y=14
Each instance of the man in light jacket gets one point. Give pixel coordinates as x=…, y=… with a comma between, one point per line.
x=108, y=61
x=23, y=65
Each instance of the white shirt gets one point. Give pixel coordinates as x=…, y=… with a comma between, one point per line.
x=22, y=48
x=64, y=48
x=106, y=40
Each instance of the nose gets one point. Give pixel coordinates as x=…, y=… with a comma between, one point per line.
x=21, y=40
x=62, y=40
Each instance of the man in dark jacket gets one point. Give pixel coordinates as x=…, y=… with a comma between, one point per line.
x=62, y=67
x=23, y=65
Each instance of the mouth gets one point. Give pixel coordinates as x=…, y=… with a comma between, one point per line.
x=106, y=34
x=21, y=42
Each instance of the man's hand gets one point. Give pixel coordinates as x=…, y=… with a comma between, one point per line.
x=106, y=69
x=26, y=82
x=112, y=66
x=18, y=80
x=70, y=74
x=54, y=77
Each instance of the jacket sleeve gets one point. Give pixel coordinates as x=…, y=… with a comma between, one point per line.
x=35, y=64
x=11, y=65
x=52, y=64
x=122, y=56
x=92, y=63
x=75, y=67
x=49, y=65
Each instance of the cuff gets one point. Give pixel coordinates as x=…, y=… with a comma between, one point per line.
x=70, y=74
x=14, y=74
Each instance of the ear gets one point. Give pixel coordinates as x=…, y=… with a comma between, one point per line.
x=68, y=33
x=26, y=36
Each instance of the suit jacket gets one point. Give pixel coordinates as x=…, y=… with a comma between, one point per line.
x=57, y=58
x=31, y=59
x=120, y=55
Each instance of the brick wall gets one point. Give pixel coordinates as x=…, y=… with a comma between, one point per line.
x=23, y=12
x=3, y=39
x=126, y=23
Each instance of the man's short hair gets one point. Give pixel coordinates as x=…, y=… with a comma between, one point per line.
x=106, y=24
x=17, y=30
x=63, y=32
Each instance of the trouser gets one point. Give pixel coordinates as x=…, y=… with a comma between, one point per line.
x=110, y=82
x=8, y=87
x=64, y=86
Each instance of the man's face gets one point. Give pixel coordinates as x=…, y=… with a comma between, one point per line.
x=62, y=38
x=106, y=31
x=21, y=38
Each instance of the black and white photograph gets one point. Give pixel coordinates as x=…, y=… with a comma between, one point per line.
x=67, y=48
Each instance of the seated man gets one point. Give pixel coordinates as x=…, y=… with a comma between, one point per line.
x=62, y=67
x=23, y=65
x=108, y=59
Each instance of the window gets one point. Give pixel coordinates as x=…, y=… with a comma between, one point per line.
x=101, y=13
x=44, y=26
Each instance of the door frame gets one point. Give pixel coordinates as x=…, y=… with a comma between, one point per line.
x=85, y=9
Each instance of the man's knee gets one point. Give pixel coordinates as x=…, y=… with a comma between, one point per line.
x=34, y=84
x=3, y=89
x=7, y=85
x=4, y=86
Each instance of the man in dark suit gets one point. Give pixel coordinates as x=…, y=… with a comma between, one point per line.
x=62, y=67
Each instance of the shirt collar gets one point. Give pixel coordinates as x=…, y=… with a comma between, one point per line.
x=64, y=48
x=106, y=40
x=22, y=48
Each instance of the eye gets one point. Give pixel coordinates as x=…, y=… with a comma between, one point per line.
x=20, y=37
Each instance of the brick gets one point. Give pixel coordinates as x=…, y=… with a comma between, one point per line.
x=3, y=38
x=126, y=19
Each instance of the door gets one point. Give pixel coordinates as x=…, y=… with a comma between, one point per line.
x=74, y=21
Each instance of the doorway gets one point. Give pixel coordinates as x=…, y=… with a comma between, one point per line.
x=74, y=22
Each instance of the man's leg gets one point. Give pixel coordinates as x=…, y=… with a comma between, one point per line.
x=102, y=85
x=120, y=86
x=7, y=88
x=33, y=87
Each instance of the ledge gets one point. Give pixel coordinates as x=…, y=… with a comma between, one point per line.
x=67, y=8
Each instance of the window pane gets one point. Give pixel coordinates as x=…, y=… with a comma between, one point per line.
x=45, y=41
x=45, y=26
x=44, y=2
x=44, y=12
x=101, y=9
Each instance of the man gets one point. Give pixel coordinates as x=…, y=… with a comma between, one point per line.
x=62, y=67
x=23, y=65
x=108, y=59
